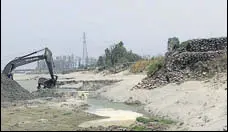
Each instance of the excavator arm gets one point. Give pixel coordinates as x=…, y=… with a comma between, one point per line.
x=19, y=61
x=49, y=61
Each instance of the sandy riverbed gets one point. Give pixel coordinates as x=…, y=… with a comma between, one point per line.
x=199, y=105
x=114, y=116
x=45, y=115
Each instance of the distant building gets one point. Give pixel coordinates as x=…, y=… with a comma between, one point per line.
x=65, y=63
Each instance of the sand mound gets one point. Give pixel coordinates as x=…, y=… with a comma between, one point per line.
x=11, y=90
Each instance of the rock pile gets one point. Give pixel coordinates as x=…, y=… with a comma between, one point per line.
x=186, y=59
x=203, y=45
x=12, y=91
x=195, y=58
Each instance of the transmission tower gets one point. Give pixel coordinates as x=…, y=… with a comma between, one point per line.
x=85, y=53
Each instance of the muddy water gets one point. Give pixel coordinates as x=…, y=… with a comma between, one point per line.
x=116, y=113
x=30, y=85
x=96, y=103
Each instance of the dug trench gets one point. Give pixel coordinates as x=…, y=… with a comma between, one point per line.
x=71, y=106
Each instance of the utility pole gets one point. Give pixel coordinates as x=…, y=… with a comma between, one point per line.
x=85, y=53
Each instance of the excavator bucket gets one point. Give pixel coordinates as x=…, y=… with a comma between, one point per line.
x=47, y=83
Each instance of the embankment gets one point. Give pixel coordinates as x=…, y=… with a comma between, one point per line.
x=195, y=92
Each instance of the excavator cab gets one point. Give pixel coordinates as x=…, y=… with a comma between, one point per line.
x=26, y=59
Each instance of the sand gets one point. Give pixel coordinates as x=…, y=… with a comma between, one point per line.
x=200, y=105
x=115, y=117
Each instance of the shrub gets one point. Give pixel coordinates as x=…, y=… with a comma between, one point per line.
x=139, y=66
x=154, y=119
x=143, y=120
x=152, y=65
x=155, y=65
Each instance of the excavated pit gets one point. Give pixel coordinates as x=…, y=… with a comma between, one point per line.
x=86, y=85
x=16, y=92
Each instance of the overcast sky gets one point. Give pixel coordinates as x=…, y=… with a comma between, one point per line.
x=143, y=25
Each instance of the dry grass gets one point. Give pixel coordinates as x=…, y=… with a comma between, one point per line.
x=150, y=66
x=140, y=66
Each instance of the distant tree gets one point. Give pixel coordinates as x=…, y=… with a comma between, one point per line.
x=108, y=57
x=118, y=51
x=100, y=61
x=116, y=54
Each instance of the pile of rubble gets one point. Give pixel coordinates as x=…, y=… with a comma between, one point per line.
x=203, y=45
x=192, y=59
x=12, y=91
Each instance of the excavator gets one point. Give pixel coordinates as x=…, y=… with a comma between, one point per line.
x=26, y=59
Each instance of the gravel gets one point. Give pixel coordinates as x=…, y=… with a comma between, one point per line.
x=12, y=91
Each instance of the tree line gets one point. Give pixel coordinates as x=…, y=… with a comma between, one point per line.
x=116, y=54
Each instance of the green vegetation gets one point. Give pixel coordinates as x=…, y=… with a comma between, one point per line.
x=167, y=121
x=144, y=120
x=115, y=55
x=140, y=128
x=154, y=119
x=67, y=113
x=152, y=123
x=152, y=65
x=140, y=66
x=156, y=64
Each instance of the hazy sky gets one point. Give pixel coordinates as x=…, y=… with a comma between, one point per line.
x=143, y=25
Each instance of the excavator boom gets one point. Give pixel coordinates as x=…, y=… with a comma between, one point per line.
x=26, y=59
